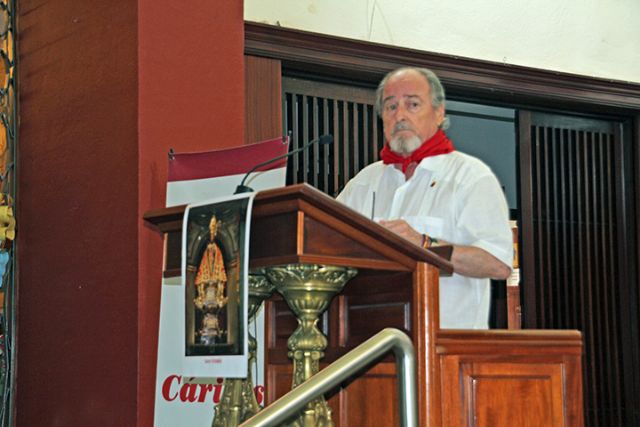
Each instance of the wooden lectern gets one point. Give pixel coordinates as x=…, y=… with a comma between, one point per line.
x=465, y=378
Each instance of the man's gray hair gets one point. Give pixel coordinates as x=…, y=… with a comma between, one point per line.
x=437, y=90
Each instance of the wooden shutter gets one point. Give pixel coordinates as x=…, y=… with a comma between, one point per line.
x=575, y=243
x=312, y=109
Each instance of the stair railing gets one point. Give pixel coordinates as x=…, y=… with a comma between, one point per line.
x=344, y=368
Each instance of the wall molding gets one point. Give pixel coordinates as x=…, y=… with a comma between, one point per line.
x=365, y=62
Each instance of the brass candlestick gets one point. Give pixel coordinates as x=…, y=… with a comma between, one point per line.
x=238, y=402
x=308, y=290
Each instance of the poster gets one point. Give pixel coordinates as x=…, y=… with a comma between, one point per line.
x=182, y=399
x=215, y=267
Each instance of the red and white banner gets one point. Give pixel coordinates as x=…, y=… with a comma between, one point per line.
x=193, y=178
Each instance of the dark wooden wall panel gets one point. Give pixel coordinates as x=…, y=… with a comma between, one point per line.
x=576, y=238
x=635, y=319
x=263, y=94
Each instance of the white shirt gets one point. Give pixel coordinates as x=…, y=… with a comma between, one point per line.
x=453, y=197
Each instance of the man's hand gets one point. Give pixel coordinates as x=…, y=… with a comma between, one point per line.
x=403, y=229
x=467, y=260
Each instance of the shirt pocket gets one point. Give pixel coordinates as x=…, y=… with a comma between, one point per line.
x=430, y=225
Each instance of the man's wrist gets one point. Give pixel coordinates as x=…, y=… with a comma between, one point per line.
x=428, y=241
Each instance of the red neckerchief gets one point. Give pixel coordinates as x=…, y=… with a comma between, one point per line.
x=437, y=144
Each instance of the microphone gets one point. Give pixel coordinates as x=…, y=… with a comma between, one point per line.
x=323, y=140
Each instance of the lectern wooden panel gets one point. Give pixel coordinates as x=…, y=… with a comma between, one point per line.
x=507, y=378
x=459, y=372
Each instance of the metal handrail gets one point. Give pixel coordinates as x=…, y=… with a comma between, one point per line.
x=343, y=368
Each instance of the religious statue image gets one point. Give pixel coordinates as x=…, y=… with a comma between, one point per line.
x=216, y=250
x=211, y=283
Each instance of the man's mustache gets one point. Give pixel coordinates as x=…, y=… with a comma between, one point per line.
x=400, y=126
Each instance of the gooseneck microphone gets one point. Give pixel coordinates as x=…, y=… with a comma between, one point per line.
x=323, y=140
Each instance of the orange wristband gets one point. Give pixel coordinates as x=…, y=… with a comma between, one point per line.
x=427, y=241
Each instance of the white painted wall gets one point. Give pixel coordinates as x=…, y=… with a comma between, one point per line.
x=599, y=38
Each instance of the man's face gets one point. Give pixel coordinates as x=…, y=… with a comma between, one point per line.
x=407, y=114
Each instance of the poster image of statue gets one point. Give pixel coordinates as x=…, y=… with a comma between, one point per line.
x=211, y=283
x=214, y=279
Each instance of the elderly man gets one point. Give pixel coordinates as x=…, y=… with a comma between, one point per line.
x=428, y=193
